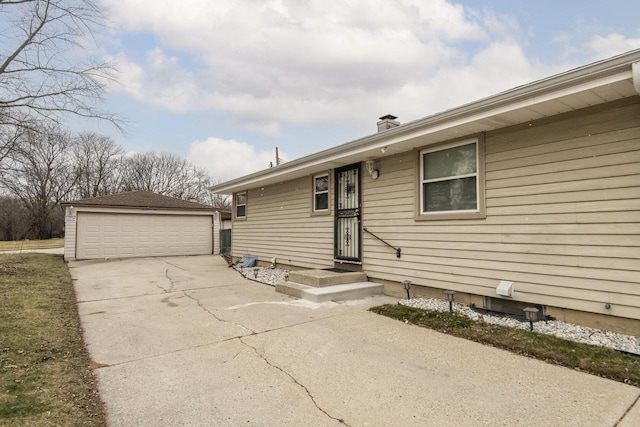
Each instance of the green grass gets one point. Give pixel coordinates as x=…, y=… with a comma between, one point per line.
x=596, y=360
x=31, y=244
x=45, y=375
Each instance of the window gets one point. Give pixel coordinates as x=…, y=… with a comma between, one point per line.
x=241, y=205
x=450, y=179
x=321, y=193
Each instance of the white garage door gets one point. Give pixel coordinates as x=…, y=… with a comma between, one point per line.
x=117, y=235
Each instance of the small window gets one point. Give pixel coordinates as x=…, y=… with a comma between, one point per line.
x=241, y=205
x=321, y=193
x=450, y=179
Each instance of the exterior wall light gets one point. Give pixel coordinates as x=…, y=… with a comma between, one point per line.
x=531, y=315
x=407, y=287
x=370, y=165
x=449, y=294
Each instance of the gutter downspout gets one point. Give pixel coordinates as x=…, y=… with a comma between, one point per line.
x=635, y=72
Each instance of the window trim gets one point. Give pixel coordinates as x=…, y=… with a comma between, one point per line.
x=480, y=211
x=315, y=211
x=236, y=205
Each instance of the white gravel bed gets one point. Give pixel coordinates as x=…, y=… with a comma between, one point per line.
x=564, y=330
x=268, y=276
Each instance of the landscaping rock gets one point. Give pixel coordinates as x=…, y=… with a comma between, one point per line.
x=569, y=331
x=268, y=276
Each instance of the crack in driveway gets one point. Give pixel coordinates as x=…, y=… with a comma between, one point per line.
x=313, y=399
x=184, y=292
x=174, y=265
x=172, y=288
x=627, y=411
x=251, y=331
x=173, y=284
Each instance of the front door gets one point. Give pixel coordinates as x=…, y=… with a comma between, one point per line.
x=347, y=225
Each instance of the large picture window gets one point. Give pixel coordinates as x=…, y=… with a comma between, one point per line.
x=450, y=179
x=241, y=205
x=321, y=193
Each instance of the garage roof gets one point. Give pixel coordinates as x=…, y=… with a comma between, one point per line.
x=140, y=200
x=597, y=83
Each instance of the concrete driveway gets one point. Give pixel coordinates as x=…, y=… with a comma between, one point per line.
x=186, y=341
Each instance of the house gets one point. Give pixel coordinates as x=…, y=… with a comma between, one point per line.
x=140, y=224
x=530, y=197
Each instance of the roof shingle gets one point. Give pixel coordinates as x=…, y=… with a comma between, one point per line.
x=140, y=199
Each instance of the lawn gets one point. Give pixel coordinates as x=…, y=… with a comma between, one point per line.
x=596, y=360
x=31, y=244
x=45, y=375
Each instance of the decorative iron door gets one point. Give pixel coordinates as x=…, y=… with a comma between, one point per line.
x=347, y=226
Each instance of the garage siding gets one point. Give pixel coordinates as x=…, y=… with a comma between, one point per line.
x=119, y=235
x=69, y=235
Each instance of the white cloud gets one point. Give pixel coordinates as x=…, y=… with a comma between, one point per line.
x=268, y=64
x=610, y=45
x=264, y=65
x=270, y=128
x=226, y=158
x=158, y=80
x=499, y=24
x=284, y=62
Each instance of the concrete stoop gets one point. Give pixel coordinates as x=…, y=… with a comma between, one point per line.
x=324, y=285
x=322, y=278
x=343, y=292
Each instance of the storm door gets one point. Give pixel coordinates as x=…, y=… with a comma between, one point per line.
x=347, y=226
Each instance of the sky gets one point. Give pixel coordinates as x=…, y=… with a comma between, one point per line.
x=224, y=82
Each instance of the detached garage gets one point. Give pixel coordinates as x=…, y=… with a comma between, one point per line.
x=139, y=224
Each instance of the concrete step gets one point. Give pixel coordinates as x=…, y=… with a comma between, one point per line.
x=343, y=292
x=322, y=278
x=292, y=289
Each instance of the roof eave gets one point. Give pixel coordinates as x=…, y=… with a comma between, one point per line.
x=133, y=207
x=571, y=82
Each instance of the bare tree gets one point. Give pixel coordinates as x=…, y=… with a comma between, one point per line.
x=9, y=136
x=39, y=173
x=45, y=71
x=166, y=174
x=13, y=223
x=220, y=201
x=96, y=160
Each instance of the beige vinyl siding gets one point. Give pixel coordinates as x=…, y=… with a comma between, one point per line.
x=563, y=216
x=280, y=224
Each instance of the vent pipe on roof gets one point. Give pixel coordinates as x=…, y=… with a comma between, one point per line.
x=387, y=122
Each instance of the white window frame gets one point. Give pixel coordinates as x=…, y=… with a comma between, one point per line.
x=236, y=205
x=315, y=193
x=479, y=175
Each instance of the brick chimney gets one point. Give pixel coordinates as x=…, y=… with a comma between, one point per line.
x=387, y=122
